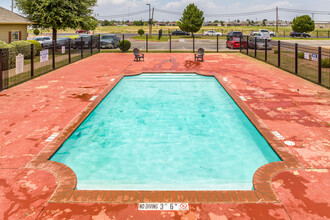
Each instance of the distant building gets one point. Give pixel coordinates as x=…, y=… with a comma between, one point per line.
x=322, y=24
x=160, y=24
x=13, y=27
x=173, y=23
x=280, y=23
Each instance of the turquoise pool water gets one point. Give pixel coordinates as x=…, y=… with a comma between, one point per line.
x=166, y=132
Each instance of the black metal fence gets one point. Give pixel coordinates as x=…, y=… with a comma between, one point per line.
x=311, y=63
x=170, y=43
x=23, y=63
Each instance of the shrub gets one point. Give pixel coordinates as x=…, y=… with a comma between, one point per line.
x=325, y=63
x=124, y=45
x=275, y=51
x=37, y=47
x=8, y=60
x=301, y=55
x=141, y=32
x=36, y=31
x=23, y=47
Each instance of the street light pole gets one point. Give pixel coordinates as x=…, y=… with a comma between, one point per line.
x=12, y=5
x=149, y=19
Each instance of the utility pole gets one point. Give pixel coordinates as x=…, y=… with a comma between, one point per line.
x=276, y=20
x=152, y=21
x=12, y=5
x=149, y=21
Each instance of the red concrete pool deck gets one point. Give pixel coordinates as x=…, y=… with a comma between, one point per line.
x=297, y=109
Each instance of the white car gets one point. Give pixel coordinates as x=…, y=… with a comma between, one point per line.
x=265, y=32
x=212, y=33
x=45, y=41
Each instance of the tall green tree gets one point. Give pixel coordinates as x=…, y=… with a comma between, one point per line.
x=302, y=24
x=59, y=14
x=192, y=19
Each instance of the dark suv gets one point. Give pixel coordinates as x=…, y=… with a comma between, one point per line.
x=179, y=32
x=235, y=34
x=86, y=40
x=298, y=34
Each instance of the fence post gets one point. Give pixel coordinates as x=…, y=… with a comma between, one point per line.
x=247, y=45
x=193, y=43
x=53, y=53
x=279, y=53
x=147, y=43
x=123, y=40
x=328, y=34
x=217, y=43
x=170, y=43
x=320, y=65
x=69, y=50
x=284, y=33
x=317, y=34
x=1, y=80
x=32, y=60
x=82, y=47
x=91, y=44
x=296, y=58
x=240, y=44
x=255, y=47
x=266, y=48
x=99, y=43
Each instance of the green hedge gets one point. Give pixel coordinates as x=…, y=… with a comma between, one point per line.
x=124, y=46
x=325, y=63
x=37, y=47
x=22, y=47
x=9, y=58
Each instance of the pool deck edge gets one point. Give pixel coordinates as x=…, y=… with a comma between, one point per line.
x=67, y=181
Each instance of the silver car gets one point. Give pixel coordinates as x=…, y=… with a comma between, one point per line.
x=45, y=41
x=261, y=43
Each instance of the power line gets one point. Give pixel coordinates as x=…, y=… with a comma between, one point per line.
x=219, y=15
x=124, y=15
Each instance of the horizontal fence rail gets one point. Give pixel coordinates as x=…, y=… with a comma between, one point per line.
x=23, y=63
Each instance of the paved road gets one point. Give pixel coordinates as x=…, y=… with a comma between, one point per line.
x=311, y=43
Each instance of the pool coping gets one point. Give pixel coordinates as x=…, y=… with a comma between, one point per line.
x=67, y=180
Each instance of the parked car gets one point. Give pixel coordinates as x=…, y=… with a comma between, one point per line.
x=45, y=41
x=81, y=32
x=260, y=43
x=212, y=33
x=267, y=32
x=179, y=32
x=64, y=41
x=254, y=33
x=109, y=41
x=298, y=34
x=233, y=42
x=86, y=40
x=235, y=34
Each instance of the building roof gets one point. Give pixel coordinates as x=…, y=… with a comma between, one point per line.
x=9, y=17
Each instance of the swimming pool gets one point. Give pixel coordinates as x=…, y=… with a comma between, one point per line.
x=166, y=132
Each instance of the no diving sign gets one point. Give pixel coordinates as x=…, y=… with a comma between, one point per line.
x=164, y=206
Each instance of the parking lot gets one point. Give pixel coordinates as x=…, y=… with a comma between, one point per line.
x=181, y=44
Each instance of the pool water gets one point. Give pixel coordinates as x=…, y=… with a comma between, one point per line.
x=166, y=132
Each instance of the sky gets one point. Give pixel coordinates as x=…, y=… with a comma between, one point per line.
x=106, y=9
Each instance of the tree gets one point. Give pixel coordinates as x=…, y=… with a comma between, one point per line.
x=138, y=23
x=192, y=19
x=264, y=22
x=302, y=24
x=141, y=32
x=59, y=14
x=106, y=23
